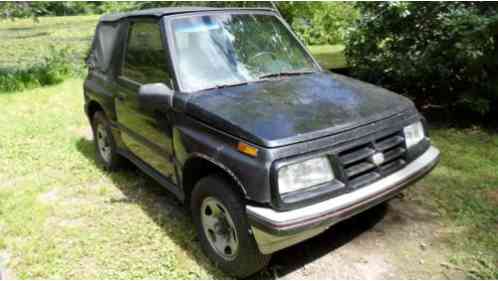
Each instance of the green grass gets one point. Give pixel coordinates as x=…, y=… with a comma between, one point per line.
x=61, y=216
x=25, y=42
x=43, y=53
x=464, y=189
x=329, y=56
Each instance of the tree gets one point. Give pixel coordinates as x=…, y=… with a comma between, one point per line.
x=14, y=10
x=319, y=23
x=441, y=53
x=11, y=10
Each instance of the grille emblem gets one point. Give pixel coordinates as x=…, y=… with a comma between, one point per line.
x=377, y=158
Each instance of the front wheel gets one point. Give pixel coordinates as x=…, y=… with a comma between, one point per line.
x=219, y=216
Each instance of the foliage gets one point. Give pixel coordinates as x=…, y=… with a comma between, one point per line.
x=43, y=53
x=27, y=43
x=57, y=65
x=66, y=8
x=464, y=190
x=117, y=6
x=50, y=8
x=319, y=23
x=159, y=4
x=442, y=53
x=19, y=10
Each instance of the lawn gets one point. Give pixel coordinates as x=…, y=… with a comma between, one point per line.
x=61, y=216
x=330, y=56
x=25, y=42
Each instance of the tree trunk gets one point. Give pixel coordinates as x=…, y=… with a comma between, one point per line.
x=494, y=65
x=495, y=40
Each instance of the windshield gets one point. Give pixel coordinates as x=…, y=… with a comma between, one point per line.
x=226, y=49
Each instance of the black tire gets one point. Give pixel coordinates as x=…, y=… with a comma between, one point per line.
x=113, y=161
x=248, y=259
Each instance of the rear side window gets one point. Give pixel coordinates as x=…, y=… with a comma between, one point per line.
x=145, y=59
x=103, y=45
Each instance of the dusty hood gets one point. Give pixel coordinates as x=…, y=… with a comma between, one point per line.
x=294, y=109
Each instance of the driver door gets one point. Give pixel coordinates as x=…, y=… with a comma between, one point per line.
x=146, y=135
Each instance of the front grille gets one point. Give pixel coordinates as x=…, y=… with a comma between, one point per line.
x=359, y=167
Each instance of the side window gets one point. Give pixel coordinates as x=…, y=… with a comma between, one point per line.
x=145, y=60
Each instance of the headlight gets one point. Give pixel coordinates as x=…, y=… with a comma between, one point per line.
x=304, y=174
x=414, y=133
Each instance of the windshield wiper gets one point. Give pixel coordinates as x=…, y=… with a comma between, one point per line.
x=284, y=73
x=221, y=86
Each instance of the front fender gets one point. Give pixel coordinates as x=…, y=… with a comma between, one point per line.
x=193, y=139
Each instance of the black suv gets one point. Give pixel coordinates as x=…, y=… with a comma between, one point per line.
x=228, y=110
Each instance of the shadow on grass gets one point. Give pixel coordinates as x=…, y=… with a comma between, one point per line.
x=173, y=218
x=44, y=26
x=159, y=204
x=26, y=36
x=19, y=28
x=38, y=34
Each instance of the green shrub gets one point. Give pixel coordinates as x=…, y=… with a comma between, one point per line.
x=440, y=53
x=116, y=6
x=319, y=23
x=54, y=68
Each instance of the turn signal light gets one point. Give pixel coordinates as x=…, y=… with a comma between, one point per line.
x=247, y=149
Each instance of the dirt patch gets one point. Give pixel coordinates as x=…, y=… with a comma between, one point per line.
x=396, y=240
x=84, y=132
x=5, y=273
x=493, y=195
x=64, y=223
x=48, y=197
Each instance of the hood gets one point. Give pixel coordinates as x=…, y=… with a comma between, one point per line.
x=294, y=109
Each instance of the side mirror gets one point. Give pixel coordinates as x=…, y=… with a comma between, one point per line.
x=155, y=96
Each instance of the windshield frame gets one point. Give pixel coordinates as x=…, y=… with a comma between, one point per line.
x=170, y=39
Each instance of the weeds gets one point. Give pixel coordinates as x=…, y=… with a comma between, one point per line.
x=54, y=67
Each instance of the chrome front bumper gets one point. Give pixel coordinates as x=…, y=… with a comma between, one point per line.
x=275, y=230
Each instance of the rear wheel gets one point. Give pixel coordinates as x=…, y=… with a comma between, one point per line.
x=219, y=215
x=105, y=145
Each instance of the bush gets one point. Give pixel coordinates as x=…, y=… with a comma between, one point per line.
x=439, y=53
x=53, y=69
x=319, y=23
x=47, y=8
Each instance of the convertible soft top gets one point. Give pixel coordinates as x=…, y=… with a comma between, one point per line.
x=110, y=26
x=159, y=12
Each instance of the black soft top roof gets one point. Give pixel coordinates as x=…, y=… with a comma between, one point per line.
x=110, y=27
x=159, y=12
